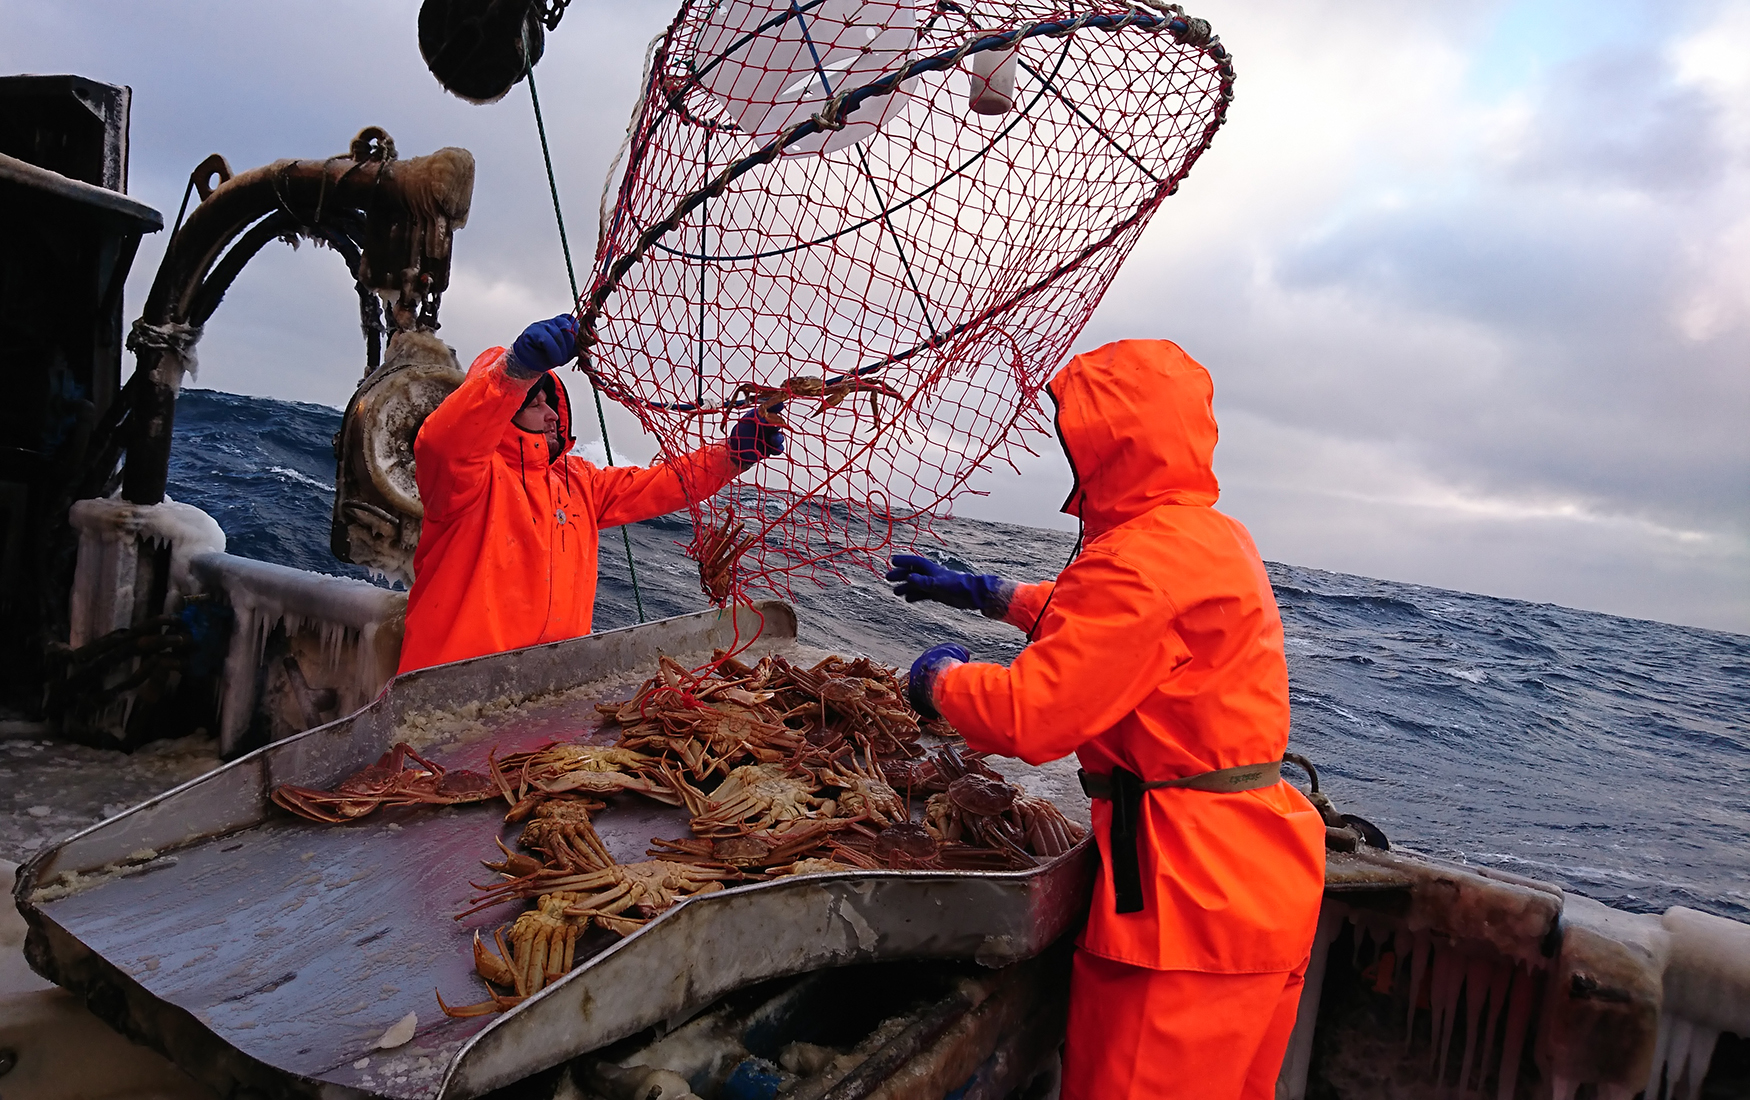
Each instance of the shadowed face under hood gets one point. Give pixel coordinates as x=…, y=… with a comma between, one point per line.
x=1136, y=422
x=511, y=444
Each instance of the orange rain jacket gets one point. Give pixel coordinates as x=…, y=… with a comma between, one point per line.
x=507, y=557
x=1159, y=648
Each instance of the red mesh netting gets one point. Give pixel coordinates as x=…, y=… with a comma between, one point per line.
x=812, y=207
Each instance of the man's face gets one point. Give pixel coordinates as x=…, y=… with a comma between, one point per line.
x=540, y=418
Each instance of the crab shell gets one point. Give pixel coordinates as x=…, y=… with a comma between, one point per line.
x=982, y=795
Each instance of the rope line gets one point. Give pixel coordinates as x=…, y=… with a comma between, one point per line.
x=571, y=273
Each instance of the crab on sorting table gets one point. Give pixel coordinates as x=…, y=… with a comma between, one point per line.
x=782, y=770
x=401, y=777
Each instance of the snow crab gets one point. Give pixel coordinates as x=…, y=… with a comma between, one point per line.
x=830, y=394
x=705, y=725
x=562, y=830
x=401, y=777
x=542, y=947
x=755, y=850
x=718, y=551
x=863, y=793
x=754, y=797
x=642, y=889
x=992, y=813
x=858, y=698
x=911, y=846
x=564, y=768
x=935, y=771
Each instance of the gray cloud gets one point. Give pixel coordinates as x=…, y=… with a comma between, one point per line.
x=1492, y=342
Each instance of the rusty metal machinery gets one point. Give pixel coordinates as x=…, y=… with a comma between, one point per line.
x=391, y=221
x=377, y=512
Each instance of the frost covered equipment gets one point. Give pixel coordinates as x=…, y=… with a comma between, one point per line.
x=304, y=648
x=377, y=511
x=271, y=955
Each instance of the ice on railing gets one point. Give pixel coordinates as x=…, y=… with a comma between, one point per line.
x=1498, y=993
x=107, y=580
x=1612, y=1004
x=1706, y=991
x=1467, y=943
x=1602, y=1011
x=358, y=628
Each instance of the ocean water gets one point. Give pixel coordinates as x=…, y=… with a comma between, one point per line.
x=1603, y=754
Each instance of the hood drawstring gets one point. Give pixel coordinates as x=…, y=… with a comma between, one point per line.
x=1074, y=553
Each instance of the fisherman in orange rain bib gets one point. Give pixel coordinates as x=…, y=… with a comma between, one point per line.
x=1156, y=657
x=507, y=557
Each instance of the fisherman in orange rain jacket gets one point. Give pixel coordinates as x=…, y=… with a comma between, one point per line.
x=507, y=557
x=1157, y=657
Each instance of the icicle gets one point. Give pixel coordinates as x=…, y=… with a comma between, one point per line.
x=1447, y=980
x=1681, y=1058
x=1521, y=999
x=1701, y=1052
x=1291, y=1078
x=1677, y=1054
x=344, y=615
x=1419, y=949
x=1403, y=945
x=1377, y=927
x=1500, y=974
x=1661, y=1055
x=1476, y=995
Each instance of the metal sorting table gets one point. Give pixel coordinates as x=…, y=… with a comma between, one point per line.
x=267, y=955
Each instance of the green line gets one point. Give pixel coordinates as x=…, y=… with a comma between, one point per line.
x=571, y=273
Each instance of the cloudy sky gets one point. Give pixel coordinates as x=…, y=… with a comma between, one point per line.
x=1473, y=280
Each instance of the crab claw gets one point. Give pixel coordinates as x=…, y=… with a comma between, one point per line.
x=481, y=1008
x=495, y=968
x=515, y=864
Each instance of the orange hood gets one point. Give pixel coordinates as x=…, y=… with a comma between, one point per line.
x=511, y=444
x=1136, y=422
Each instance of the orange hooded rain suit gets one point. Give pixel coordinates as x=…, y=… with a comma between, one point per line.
x=507, y=557
x=1159, y=649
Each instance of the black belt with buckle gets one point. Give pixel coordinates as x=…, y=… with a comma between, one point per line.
x=1124, y=789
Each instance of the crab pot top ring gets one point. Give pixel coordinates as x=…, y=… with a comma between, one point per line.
x=833, y=190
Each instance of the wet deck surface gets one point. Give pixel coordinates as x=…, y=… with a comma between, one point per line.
x=303, y=943
x=51, y=789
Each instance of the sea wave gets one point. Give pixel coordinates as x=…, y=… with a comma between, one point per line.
x=1599, y=753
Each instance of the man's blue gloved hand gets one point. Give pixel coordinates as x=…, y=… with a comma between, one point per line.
x=920, y=578
x=754, y=438
x=545, y=345
x=929, y=665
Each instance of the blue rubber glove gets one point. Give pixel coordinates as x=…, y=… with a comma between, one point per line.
x=922, y=579
x=545, y=345
x=929, y=665
x=754, y=438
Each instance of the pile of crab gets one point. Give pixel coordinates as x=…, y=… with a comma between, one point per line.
x=782, y=770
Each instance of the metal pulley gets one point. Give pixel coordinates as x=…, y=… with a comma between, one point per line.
x=480, y=49
x=377, y=511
